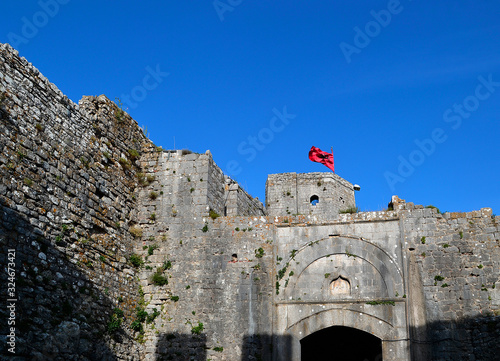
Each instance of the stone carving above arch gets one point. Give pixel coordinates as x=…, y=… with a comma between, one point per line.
x=340, y=287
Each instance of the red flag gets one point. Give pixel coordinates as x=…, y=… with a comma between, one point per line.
x=317, y=155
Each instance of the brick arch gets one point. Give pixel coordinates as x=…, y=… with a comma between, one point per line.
x=369, y=252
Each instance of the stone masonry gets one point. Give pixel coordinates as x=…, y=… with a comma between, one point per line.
x=126, y=251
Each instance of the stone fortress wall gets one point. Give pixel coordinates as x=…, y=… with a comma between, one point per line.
x=103, y=221
x=66, y=198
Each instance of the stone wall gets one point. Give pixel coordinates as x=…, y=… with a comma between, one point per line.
x=66, y=185
x=184, y=238
x=435, y=275
x=102, y=221
x=292, y=194
x=457, y=258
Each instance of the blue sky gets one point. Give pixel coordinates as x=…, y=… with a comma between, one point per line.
x=406, y=92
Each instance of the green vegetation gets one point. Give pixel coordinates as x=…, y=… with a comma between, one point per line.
x=137, y=326
x=213, y=214
x=124, y=163
x=150, y=318
x=115, y=320
x=174, y=298
x=218, y=349
x=158, y=278
x=136, y=260
x=119, y=113
x=351, y=210
x=432, y=207
x=196, y=330
x=145, y=180
x=136, y=231
x=461, y=234
x=152, y=216
x=141, y=314
x=205, y=228
x=134, y=154
x=153, y=195
x=438, y=278
x=422, y=240
x=480, y=266
x=259, y=253
x=327, y=275
x=376, y=303
x=350, y=254
x=151, y=249
x=446, y=245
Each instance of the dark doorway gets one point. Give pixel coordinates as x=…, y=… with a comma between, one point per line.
x=341, y=343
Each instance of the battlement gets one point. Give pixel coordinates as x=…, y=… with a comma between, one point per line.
x=191, y=184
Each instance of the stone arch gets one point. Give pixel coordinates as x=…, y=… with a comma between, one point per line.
x=368, y=252
x=340, y=343
x=342, y=317
x=394, y=338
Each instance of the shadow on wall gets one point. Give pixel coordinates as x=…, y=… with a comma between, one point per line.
x=260, y=347
x=182, y=347
x=469, y=339
x=476, y=338
x=59, y=313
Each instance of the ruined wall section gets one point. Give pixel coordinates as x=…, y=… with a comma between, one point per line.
x=67, y=177
x=240, y=203
x=458, y=258
x=292, y=193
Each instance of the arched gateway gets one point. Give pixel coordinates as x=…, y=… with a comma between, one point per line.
x=341, y=344
x=341, y=299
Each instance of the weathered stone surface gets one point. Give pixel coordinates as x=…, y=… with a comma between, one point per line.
x=102, y=222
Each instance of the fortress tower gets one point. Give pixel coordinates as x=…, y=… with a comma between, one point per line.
x=319, y=194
